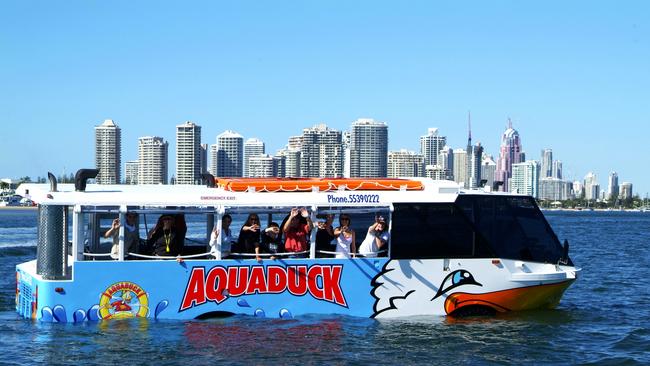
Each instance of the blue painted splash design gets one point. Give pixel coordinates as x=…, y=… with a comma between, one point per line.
x=160, y=307
x=46, y=315
x=93, y=313
x=285, y=314
x=260, y=313
x=243, y=303
x=79, y=316
x=59, y=314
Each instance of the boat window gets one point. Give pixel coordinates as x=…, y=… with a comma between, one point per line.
x=96, y=222
x=514, y=227
x=360, y=217
x=194, y=226
x=434, y=230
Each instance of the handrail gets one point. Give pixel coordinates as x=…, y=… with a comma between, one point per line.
x=355, y=254
x=97, y=254
x=190, y=256
x=268, y=255
x=170, y=257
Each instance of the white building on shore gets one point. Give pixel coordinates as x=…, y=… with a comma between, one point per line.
x=108, y=152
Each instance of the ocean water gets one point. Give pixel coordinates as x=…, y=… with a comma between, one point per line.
x=604, y=318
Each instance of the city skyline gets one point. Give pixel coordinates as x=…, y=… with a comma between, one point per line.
x=541, y=178
x=570, y=78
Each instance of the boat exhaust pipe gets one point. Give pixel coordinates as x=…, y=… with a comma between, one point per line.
x=81, y=178
x=208, y=179
x=52, y=180
x=52, y=248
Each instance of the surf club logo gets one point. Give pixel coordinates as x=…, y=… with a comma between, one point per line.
x=123, y=300
x=323, y=282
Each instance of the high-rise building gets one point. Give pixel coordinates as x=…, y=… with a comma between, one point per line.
x=612, y=187
x=368, y=148
x=108, y=152
x=295, y=142
x=252, y=147
x=281, y=165
x=525, y=178
x=152, y=160
x=626, y=191
x=578, y=189
x=204, y=158
x=510, y=153
x=229, y=155
x=131, y=172
x=488, y=167
x=460, y=166
x=430, y=146
x=446, y=162
x=557, y=169
x=321, y=152
x=547, y=163
x=436, y=172
x=188, y=153
x=262, y=166
x=212, y=165
x=346, y=153
x=592, y=188
x=474, y=159
x=291, y=162
x=552, y=189
x=405, y=163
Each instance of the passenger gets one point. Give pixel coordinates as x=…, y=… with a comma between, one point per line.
x=166, y=240
x=345, y=238
x=180, y=227
x=376, y=240
x=296, y=230
x=226, y=239
x=249, y=235
x=271, y=242
x=324, y=235
x=131, y=235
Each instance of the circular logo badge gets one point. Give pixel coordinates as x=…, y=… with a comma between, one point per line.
x=124, y=300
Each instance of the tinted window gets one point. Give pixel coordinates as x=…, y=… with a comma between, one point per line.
x=514, y=227
x=434, y=230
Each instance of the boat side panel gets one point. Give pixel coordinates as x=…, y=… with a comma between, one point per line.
x=360, y=287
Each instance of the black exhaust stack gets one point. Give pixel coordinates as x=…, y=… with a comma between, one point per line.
x=82, y=176
x=208, y=179
x=52, y=180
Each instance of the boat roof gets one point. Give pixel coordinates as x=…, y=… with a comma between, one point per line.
x=293, y=192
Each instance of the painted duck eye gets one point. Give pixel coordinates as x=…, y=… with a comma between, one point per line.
x=457, y=278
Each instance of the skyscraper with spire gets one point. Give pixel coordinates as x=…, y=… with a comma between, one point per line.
x=510, y=153
x=474, y=155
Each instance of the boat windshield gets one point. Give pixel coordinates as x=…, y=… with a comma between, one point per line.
x=514, y=227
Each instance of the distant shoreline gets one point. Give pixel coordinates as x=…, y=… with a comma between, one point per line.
x=592, y=210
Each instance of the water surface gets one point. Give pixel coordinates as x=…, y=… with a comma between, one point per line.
x=604, y=318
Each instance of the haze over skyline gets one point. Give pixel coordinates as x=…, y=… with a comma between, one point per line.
x=573, y=77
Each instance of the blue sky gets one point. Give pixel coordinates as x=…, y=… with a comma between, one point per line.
x=573, y=76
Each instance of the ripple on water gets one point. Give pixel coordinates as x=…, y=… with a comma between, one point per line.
x=603, y=318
